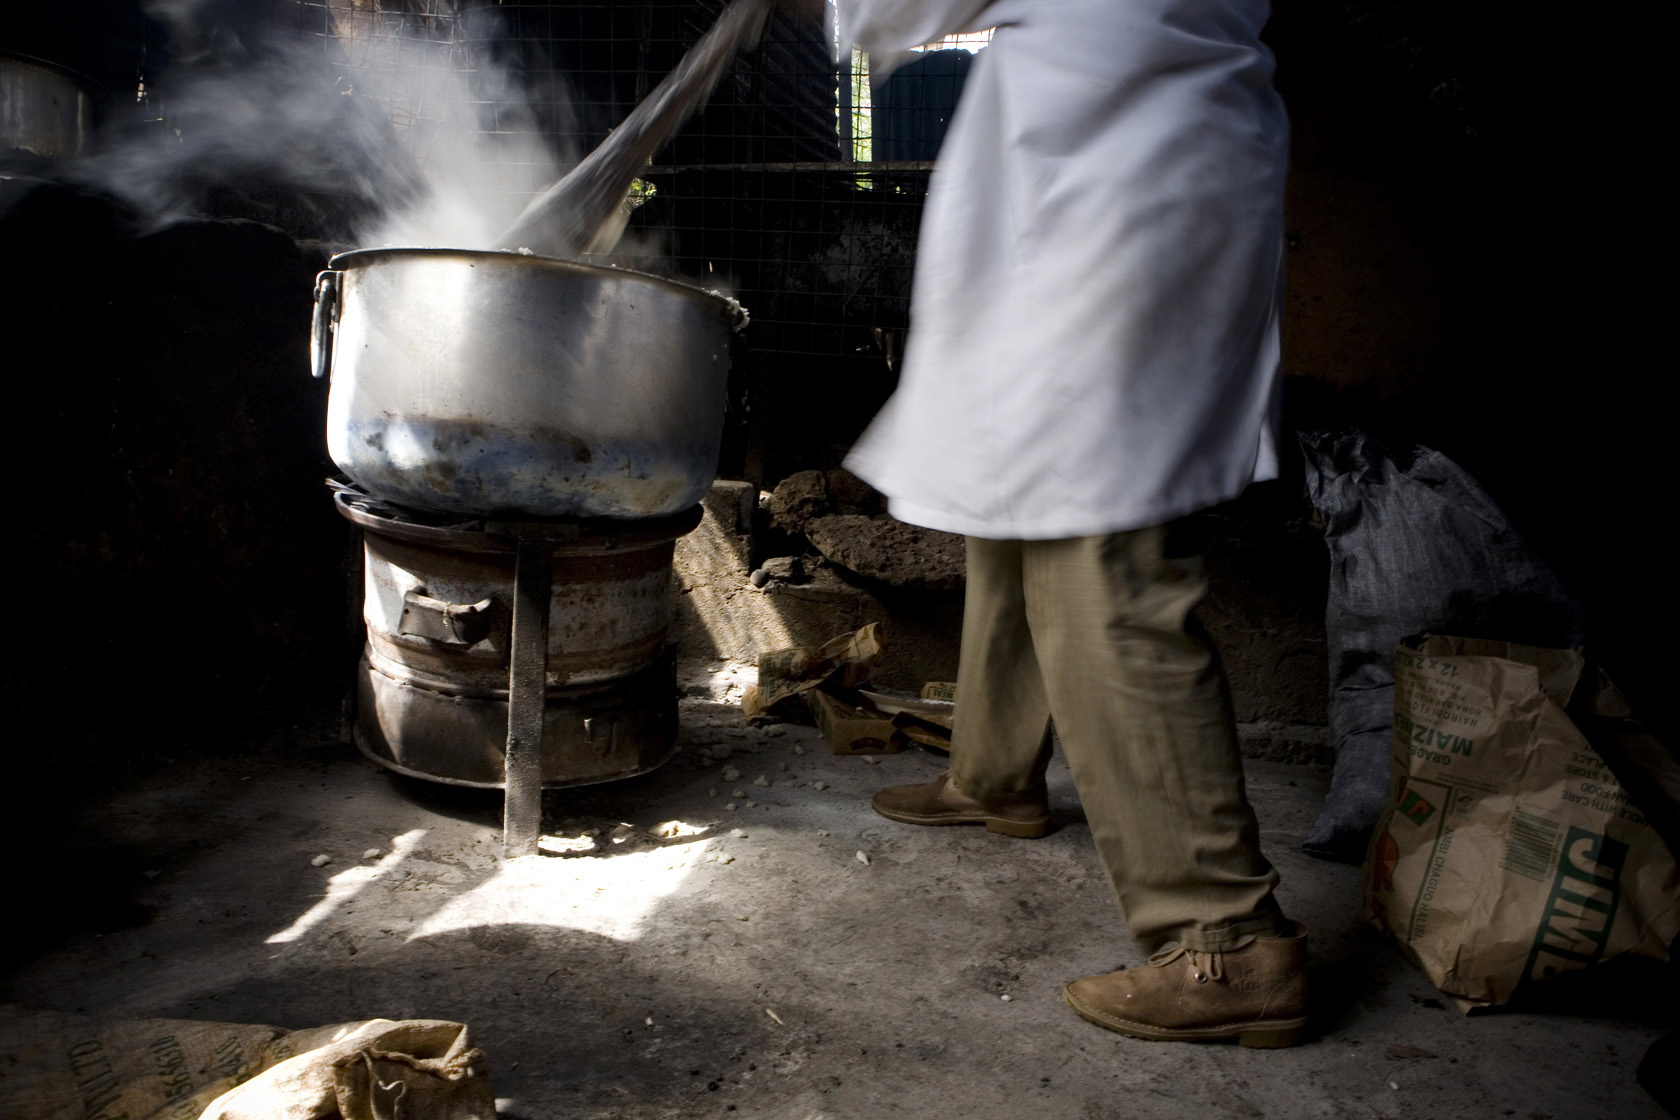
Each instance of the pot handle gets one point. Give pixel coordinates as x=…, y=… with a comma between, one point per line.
x=325, y=322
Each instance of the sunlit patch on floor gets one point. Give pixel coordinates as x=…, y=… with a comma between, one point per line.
x=608, y=882
x=623, y=836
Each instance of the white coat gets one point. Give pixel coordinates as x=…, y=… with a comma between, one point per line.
x=1093, y=339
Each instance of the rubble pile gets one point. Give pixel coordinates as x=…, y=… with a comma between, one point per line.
x=837, y=516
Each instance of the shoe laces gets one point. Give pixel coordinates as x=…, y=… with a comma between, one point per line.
x=1203, y=966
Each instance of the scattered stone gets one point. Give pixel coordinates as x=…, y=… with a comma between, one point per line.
x=711, y=793
x=737, y=793
x=788, y=569
x=781, y=766
x=371, y=853
x=871, y=760
x=1006, y=997
x=732, y=775
x=798, y=748
x=726, y=858
x=761, y=781
x=320, y=860
x=752, y=804
x=863, y=857
x=819, y=785
x=759, y=577
x=822, y=832
x=738, y=834
x=730, y=807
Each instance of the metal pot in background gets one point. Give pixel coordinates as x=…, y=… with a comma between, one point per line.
x=497, y=384
x=45, y=109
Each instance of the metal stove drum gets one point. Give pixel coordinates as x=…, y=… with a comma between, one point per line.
x=515, y=654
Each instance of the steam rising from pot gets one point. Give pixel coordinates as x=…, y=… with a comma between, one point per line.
x=371, y=113
x=374, y=111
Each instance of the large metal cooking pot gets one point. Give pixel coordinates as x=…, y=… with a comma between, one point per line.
x=44, y=108
x=499, y=384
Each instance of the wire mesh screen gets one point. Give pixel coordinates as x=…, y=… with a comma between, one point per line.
x=773, y=191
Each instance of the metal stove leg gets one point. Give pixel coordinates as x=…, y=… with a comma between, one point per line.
x=527, y=693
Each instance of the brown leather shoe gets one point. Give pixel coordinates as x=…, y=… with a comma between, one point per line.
x=940, y=802
x=1256, y=994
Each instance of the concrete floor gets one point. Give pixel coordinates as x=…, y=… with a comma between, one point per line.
x=772, y=974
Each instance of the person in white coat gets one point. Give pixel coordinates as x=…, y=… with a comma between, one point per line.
x=1093, y=355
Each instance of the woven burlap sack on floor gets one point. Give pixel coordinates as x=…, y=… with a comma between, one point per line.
x=55, y=1066
x=412, y=1069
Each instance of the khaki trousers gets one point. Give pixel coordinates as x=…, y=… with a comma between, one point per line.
x=1095, y=633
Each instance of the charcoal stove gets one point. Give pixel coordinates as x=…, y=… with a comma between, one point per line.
x=515, y=655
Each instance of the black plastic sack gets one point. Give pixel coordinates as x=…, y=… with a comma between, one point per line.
x=1416, y=546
